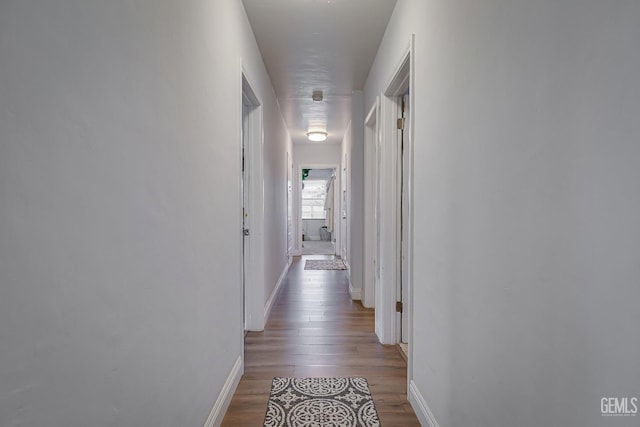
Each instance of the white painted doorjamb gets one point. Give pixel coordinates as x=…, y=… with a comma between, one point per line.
x=289, y=208
x=407, y=237
x=389, y=263
x=403, y=79
x=410, y=193
x=254, y=270
x=371, y=138
x=386, y=300
x=345, y=214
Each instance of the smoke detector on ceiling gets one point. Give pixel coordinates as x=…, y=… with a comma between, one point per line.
x=317, y=95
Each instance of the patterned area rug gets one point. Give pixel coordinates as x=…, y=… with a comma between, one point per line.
x=324, y=264
x=320, y=402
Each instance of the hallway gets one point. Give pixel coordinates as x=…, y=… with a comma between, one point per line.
x=316, y=330
x=140, y=142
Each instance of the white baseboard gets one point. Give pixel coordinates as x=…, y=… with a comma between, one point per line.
x=272, y=298
x=356, y=293
x=348, y=270
x=424, y=414
x=226, y=394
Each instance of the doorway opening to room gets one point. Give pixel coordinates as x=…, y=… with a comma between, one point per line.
x=318, y=211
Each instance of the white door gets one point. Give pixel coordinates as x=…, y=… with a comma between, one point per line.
x=377, y=212
x=370, y=204
x=404, y=217
x=244, y=188
x=289, y=207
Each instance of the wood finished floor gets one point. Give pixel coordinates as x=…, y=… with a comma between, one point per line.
x=316, y=330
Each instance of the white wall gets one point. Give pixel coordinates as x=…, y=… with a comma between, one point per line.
x=276, y=144
x=526, y=257
x=305, y=155
x=119, y=223
x=311, y=228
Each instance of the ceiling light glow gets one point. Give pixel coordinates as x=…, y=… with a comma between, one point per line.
x=317, y=136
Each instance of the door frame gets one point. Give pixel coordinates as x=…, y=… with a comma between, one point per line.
x=401, y=80
x=298, y=202
x=371, y=249
x=253, y=254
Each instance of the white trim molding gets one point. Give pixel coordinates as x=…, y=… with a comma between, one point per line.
x=276, y=290
x=253, y=253
x=388, y=292
x=226, y=394
x=378, y=328
x=371, y=147
x=424, y=414
x=356, y=293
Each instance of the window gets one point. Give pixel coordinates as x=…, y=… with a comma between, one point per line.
x=314, y=194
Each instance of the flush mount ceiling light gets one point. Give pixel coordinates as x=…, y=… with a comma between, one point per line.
x=317, y=136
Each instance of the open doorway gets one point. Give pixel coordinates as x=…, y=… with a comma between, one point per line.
x=317, y=211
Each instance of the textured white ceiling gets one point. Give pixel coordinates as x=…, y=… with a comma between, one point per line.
x=326, y=45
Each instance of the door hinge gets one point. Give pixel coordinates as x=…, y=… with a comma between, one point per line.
x=398, y=306
x=245, y=231
x=401, y=123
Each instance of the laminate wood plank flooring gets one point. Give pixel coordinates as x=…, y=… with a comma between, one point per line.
x=316, y=330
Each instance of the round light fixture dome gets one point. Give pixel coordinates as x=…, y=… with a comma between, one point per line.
x=317, y=136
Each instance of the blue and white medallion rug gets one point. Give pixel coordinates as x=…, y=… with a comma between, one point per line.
x=320, y=402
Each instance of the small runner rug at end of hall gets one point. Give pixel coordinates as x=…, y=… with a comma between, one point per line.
x=320, y=402
x=324, y=264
